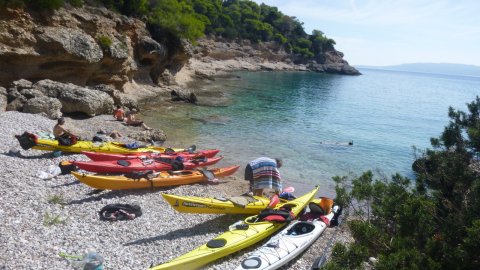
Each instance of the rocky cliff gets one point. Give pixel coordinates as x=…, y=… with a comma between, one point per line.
x=88, y=59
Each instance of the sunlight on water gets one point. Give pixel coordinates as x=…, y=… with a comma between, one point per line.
x=307, y=119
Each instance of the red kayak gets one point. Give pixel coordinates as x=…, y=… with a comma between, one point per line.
x=130, y=165
x=97, y=156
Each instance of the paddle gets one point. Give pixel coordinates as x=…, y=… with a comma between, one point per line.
x=320, y=261
x=191, y=149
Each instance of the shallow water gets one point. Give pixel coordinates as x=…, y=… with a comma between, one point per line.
x=307, y=119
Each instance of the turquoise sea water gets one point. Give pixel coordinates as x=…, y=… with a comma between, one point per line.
x=307, y=119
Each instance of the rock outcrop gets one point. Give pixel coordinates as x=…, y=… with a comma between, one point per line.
x=91, y=58
x=75, y=98
x=3, y=98
x=84, y=46
x=50, y=106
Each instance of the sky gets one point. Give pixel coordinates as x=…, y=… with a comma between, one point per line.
x=392, y=32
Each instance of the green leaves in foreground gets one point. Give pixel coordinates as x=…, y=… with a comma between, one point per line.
x=434, y=225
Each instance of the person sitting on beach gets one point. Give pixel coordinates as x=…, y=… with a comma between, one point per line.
x=64, y=136
x=119, y=113
x=263, y=174
x=132, y=121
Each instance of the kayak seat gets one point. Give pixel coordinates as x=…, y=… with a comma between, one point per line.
x=216, y=243
x=279, y=215
x=301, y=228
x=124, y=163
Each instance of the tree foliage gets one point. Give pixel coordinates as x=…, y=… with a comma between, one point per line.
x=434, y=224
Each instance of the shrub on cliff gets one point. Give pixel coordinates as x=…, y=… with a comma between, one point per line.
x=40, y=4
x=435, y=225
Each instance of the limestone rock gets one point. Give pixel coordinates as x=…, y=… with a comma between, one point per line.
x=31, y=93
x=186, y=95
x=50, y=106
x=75, y=42
x=21, y=84
x=3, y=99
x=16, y=104
x=49, y=88
x=155, y=135
x=124, y=100
x=90, y=102
x=77, y=99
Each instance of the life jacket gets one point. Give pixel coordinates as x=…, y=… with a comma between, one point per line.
x=27, y=140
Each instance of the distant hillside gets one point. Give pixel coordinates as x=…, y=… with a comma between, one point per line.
x=436, y=68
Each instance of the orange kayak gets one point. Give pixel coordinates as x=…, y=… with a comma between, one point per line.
x=160, y=179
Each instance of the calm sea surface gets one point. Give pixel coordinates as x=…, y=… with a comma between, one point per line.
x=307, y=119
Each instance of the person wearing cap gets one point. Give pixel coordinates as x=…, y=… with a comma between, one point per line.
x=132, y=121
x=263, y=174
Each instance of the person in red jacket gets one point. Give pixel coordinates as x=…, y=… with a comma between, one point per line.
x=119, y=113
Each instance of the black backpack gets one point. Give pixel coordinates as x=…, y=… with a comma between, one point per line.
x=114, y=212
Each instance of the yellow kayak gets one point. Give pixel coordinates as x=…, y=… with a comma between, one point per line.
x=28, y=140
x=199, y=205
x=238, y=237
x=161, y=179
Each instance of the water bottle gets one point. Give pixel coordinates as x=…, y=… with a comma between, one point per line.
x=93, y=261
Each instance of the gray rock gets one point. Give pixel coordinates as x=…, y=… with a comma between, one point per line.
x=84, y=100
x=105, y=88
x=149, y=135
x=118, y=49
x=16, y=104
x=77, y=99
x=61, y=40
x=186, y=95
x=50, y=106
x=49, y=88
x=21, y=84
x=125, y=100
x=31, y=93
x=3, y=99
x=150, y=51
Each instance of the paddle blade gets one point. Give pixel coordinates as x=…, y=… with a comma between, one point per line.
x=289, y=189
x=273, y=201
x=191, y=149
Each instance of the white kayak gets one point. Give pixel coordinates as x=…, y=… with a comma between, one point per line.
x=287, y=244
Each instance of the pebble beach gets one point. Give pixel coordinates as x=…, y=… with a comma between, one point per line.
x=41, y=219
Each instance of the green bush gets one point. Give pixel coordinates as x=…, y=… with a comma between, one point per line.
x=46, y=4
x=76, y=3
x=104, y=41
x=434, y=224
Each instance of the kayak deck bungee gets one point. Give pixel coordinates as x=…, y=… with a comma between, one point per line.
x=200, y=205
x=163, y=179
x=29, y=140
x=99, y=156
x=108, y=147
x=127, y=166
x=237, y=238
x=287, y=244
